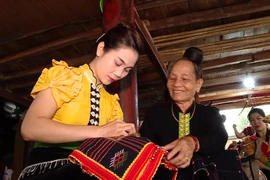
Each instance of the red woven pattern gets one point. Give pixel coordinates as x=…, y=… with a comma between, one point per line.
x=125, y=158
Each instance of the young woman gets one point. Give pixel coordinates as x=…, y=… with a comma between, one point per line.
x=256, y=117
x=71, y=105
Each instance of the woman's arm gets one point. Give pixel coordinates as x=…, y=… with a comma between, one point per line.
x=38, y=125
x=263, y=166
x=237, y=134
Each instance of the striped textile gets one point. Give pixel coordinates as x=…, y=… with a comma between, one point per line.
x=120, y=158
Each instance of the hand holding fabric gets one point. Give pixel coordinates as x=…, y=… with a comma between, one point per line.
x=118, y=128
x=180, y=152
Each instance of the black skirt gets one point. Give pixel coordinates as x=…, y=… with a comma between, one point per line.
x=52, y=164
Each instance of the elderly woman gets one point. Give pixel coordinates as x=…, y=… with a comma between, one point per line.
x=182, y=126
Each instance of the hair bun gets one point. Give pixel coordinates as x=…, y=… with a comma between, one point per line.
x=194, y=54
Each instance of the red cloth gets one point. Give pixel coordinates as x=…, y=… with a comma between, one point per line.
x=124, y=158
x=248, y=131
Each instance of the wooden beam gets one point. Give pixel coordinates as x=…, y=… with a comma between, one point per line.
x=20, y=85
x=240, y=68
x=232, y=87
x=214, y=14
x=241, y=94
x=37, y=70
x=264, y=56
x=8, y=95
x=240, y=104
x=243, y=45
x=211, y=77
x=234, y=79
x=252, y=101
x=151, y=50
x=57, y=44
x=157, y=3
x=188, y=36
x=231, y=60
x=228, y=65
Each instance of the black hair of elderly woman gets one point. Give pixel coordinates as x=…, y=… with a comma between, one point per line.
x=194, y=54
x=182, y=126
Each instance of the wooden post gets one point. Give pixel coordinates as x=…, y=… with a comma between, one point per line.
x=129, y=97
x=115, y=11
x=18, y=154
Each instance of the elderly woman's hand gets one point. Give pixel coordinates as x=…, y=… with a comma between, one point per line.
x=180, y=151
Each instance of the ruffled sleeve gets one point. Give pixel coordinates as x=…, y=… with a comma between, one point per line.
x=117, y=112
x=64, y=82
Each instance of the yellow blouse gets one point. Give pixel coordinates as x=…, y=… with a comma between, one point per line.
x=70, y=88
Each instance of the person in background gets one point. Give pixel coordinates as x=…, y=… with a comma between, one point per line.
x=248, y=131
x=182, y=126
x=236, y=145
x=256, y=119
x=233, y=145
x=71, y=105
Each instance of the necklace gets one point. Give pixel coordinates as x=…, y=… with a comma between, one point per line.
x=190, y=116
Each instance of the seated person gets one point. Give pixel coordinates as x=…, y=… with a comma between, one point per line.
x=182, y=126
x=256, y=117
x=72, y=105
x=234, y=145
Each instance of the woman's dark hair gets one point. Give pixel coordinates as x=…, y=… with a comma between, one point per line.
x=195, y=55
x=122, y=35
x=255, y=110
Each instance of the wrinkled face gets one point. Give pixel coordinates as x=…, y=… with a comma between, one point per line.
x=114, y=64
x=182, y=83
x=256, y=121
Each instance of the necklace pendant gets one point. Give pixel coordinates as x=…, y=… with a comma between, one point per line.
x=183, y=121
x=183, y=124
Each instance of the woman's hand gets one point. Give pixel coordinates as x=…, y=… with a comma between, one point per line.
x=180, y=152
x=118, y=128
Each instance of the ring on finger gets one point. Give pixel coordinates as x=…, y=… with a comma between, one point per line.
x=187, y=158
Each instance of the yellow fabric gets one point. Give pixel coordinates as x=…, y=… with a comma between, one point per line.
x=250, y=149
x=184, y=128
x=71, y=91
